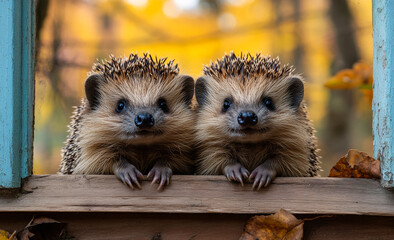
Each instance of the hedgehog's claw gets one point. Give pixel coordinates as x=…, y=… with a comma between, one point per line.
x=161, y=175
x=236, y=172
x=129, y=175
x=262, y=177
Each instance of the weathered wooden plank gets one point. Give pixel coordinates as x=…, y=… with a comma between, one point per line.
x=383, y=89
x=16, y=92
x=99, y=226
x=201, y=194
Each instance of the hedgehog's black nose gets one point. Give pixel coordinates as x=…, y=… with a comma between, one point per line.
x=248, y=118
x=144, y=120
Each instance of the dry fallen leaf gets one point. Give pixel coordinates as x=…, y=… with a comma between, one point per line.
x=356, y=164
x=281, y=225
x=4, y=235
x=42, y=228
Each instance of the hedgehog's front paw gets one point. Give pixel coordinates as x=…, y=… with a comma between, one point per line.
x=262, y=176
x=235, y=172
x=129, y=175
x=161, y=174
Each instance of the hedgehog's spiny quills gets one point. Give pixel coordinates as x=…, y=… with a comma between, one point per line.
x=141, y=67
x=247, y=66
x=274, y=142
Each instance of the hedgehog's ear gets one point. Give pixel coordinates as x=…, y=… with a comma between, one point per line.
x=91, y=90
x=201, y=91
x=296, y=92
x=187, y=88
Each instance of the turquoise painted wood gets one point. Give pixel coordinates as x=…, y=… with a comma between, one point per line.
x=16, y=90
x=28, y=90
x=383, y=89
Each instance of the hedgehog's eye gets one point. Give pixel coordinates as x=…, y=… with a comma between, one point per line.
x=163, y=105
x=120, y=106
x=226, y=105
x=267, y=101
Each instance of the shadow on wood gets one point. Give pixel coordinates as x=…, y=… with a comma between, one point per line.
x=198, y=226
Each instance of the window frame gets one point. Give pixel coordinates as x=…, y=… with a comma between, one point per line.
x=383, y=88
x=17, y=90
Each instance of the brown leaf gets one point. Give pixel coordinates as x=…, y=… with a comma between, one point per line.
x=281, y=225
x=356, y=164
x=42, y=228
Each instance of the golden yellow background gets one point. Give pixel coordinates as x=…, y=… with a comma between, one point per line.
x=77, y=32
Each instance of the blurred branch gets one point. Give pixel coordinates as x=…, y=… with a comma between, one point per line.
x=342, y=19
x=61, y=63
x=52, y=65
x=41, y=13
x=298, y=51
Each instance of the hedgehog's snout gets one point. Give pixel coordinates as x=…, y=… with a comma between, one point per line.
x=247, y=119
x=144, y=120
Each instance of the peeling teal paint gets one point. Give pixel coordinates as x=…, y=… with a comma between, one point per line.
x=383, y=89
x=16, y=90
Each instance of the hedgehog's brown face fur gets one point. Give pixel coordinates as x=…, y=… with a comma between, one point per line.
x=137, y=109
x=248, y=108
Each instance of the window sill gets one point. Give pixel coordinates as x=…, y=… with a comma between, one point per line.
x=200, y=194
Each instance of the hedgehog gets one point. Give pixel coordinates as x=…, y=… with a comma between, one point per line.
x=252, y=122
x=136, y=120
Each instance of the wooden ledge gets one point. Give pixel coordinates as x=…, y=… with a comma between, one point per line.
x=201, y=194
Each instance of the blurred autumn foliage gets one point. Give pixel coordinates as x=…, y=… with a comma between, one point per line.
x=318, y=37
x=360, y=76
x=4, y=235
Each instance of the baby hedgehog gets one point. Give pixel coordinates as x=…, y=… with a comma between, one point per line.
x=136, y=120
x=252, y=122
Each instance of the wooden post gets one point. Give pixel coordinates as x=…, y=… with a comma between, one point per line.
x=383, y=89
x=16, y=91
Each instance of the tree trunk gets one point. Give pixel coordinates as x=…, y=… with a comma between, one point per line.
x=337, y=138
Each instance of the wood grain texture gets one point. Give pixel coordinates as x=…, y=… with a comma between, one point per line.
x=201, y=194
x=383, y=87
x=102, y=226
